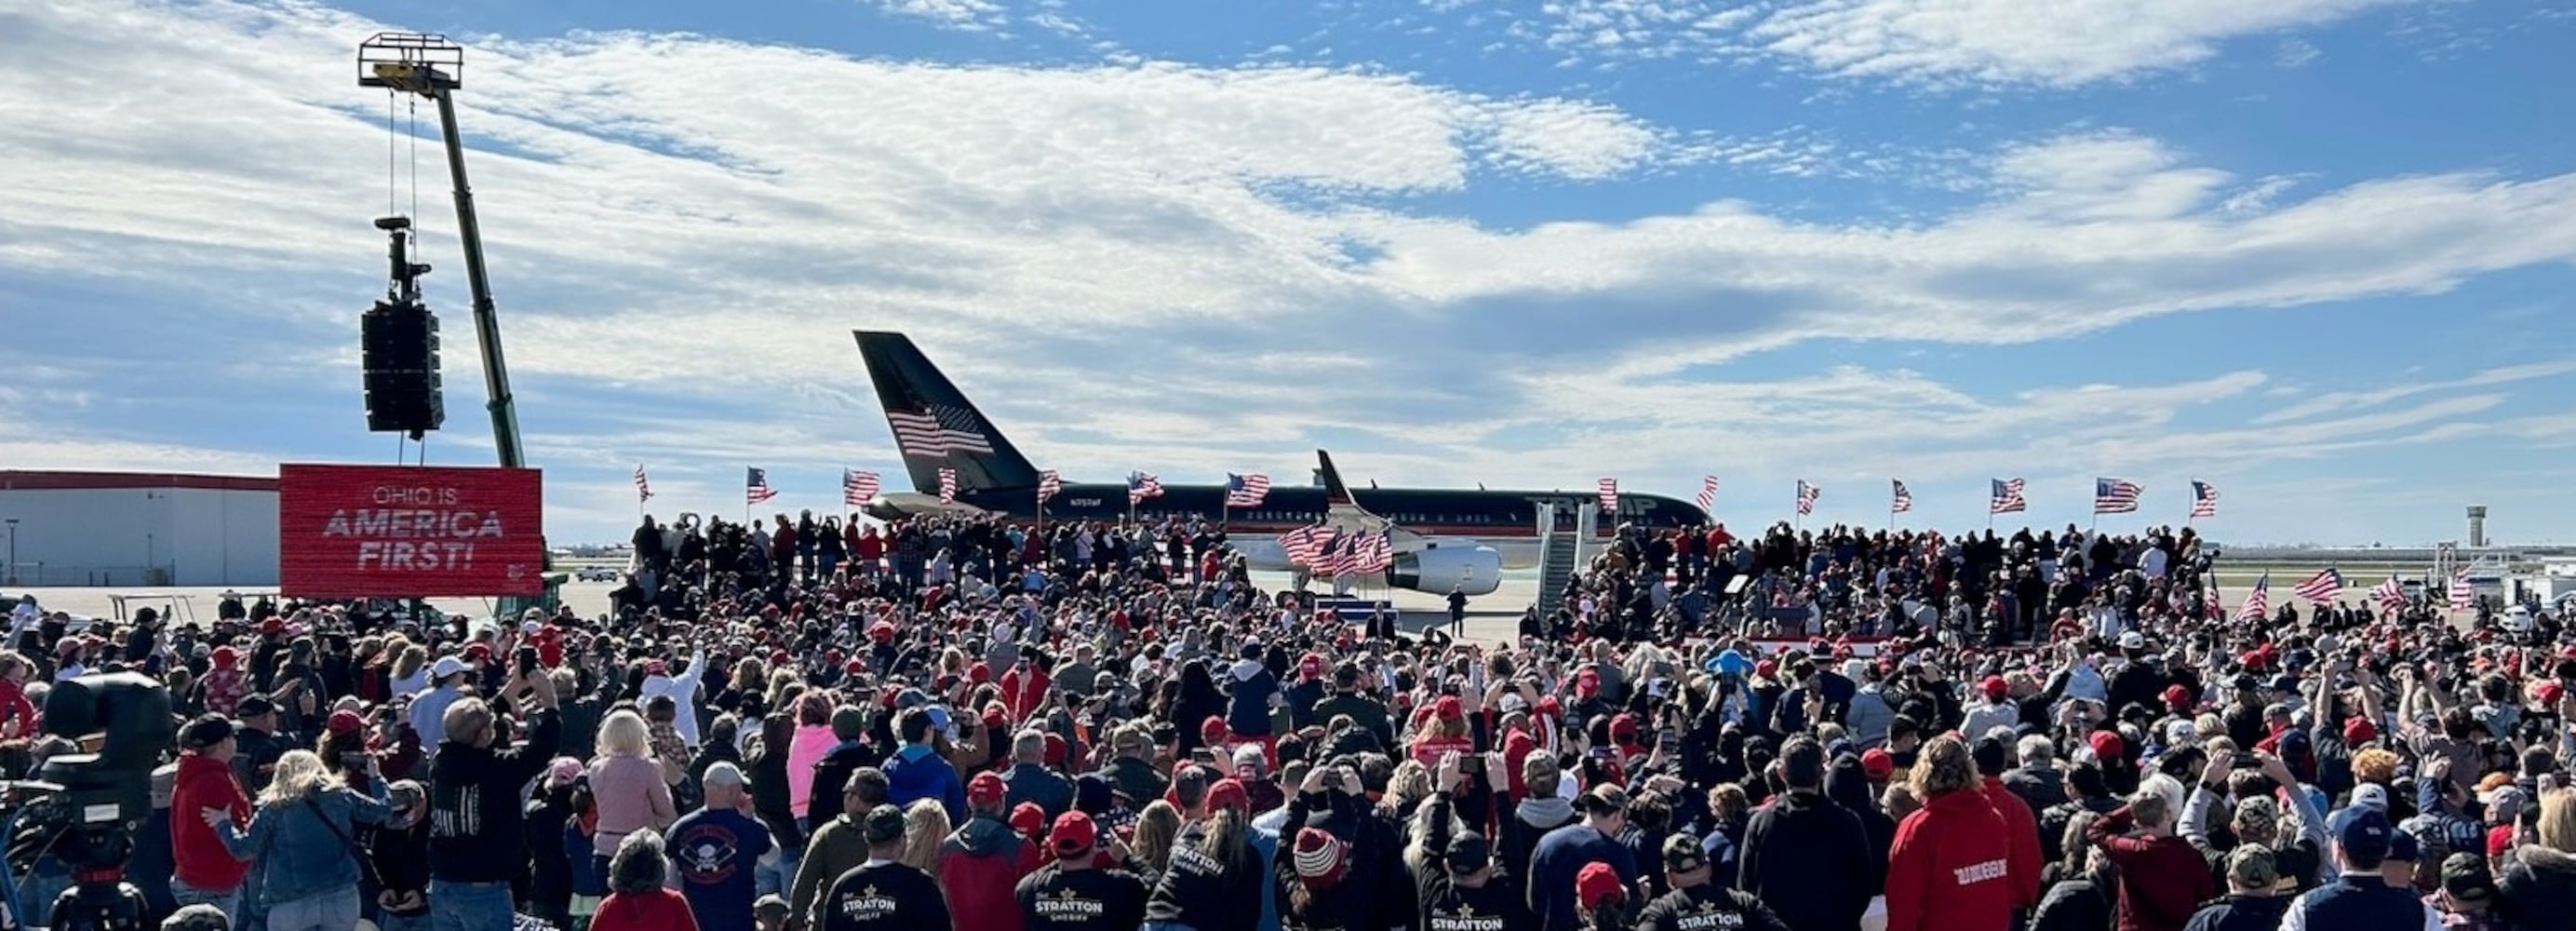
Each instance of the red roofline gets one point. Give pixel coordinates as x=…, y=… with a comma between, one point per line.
x=13, y=480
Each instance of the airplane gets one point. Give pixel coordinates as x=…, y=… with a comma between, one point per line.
x=1444, y=538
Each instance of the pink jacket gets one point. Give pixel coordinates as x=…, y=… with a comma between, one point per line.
x=631, y=797
x=811, y=744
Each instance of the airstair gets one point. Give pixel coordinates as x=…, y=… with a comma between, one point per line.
x=1564, y=525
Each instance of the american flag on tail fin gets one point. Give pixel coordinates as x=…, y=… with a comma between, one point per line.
x=937, y=430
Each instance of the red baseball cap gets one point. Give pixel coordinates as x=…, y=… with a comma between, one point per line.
x=985, y=789
x=1073, y=835
x=1877, y=764
x=1994, y=687
x=1028, y=819
x=1448, y=708
x=2359, y=731
x=2107, y=745
x=1596, y=884
x=1227, y=793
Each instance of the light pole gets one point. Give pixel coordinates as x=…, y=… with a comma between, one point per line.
x=13, y=551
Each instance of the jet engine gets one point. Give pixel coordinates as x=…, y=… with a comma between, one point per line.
x=1475, y=570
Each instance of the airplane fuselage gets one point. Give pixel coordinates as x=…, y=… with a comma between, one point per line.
x=1504, y=520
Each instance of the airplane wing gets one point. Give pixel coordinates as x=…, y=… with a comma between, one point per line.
x=1343, y=513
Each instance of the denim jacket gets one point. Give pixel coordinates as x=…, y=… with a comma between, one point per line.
x=297, y=855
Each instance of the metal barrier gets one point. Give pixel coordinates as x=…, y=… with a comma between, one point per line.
x=57, y=575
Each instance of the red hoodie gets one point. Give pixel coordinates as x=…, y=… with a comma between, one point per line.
x=1950, y=868
x=979, y=867
x=203, y=863
x=2021, y=828
x=14, y=706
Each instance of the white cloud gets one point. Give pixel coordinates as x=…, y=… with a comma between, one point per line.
x=2333, y=402
x=966, y=15
x=1574, y=139
x=2296, y=53
x=1947, y=42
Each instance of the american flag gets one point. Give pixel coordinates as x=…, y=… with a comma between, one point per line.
x=2391, y=595
x=2460, y=595
x=1901, y=502
x=643, y=486
x=1376, y=553
x=1048, y=485
x=2114, y=496
x=937, y=430
x=858, y=488
x=947, y=485
x=2006, y=497
x=2204, y=499
x=2326, y=585
x=1610, y=495
x=1807, y=497
x=2258, y=603
x=1141, y=485
x=1299, y=545
x=755, y=486
x=1341, y=557
x=1707, y=492
x=1246, y=491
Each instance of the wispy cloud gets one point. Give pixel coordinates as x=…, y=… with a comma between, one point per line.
x=1942, y=43
x=2338, y=401
x=965, y=15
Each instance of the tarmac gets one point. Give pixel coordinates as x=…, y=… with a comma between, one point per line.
x=1492, y=617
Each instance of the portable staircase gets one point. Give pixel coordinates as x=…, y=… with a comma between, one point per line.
x=1560, y=547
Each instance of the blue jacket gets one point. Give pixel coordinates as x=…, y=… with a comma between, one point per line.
x=918, y=772
x=2359, y=903
x=297, y=855
x=1561, y=854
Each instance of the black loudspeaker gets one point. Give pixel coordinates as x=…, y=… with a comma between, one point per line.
x=398, y=347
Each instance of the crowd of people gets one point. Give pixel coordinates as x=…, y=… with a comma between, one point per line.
x=979, y=724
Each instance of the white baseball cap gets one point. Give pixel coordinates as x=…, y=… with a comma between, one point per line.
x=445, y=667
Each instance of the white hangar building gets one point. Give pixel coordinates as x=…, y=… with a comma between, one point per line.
x=137, y=529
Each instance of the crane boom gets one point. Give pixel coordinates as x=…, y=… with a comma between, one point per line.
x=433, y=67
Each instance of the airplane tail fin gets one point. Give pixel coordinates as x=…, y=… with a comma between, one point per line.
x=1343, y=512
x=934, y=424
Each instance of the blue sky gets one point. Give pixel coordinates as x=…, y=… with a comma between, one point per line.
x=2317, y=252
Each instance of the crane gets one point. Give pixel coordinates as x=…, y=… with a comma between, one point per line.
x=433, y=67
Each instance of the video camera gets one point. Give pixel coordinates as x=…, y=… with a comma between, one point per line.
x=84, y=807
